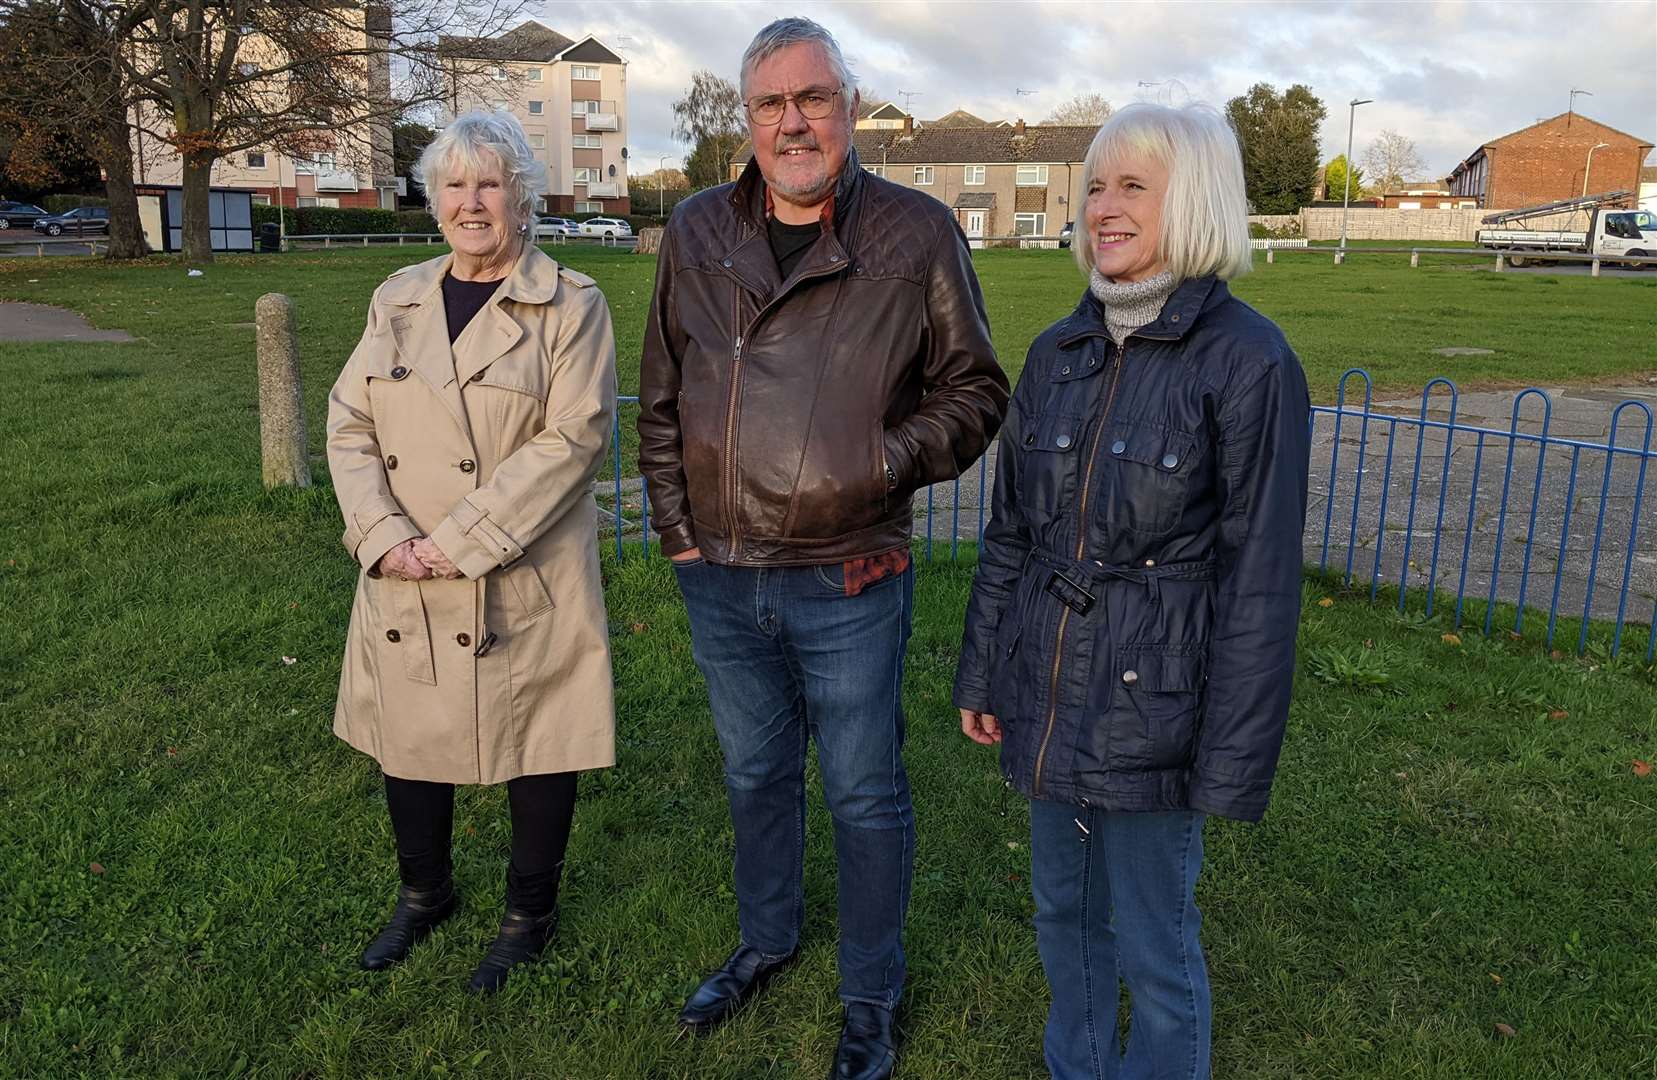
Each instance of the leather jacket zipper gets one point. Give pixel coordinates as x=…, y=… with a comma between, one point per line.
x=1081, y=547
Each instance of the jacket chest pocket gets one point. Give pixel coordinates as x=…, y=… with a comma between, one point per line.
x=519, y=372
x=1148, y=479
x=1049, y=465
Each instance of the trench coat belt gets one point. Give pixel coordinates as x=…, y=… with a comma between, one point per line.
x=1075, y=581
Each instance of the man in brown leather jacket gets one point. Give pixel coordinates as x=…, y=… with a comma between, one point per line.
x=817, y=350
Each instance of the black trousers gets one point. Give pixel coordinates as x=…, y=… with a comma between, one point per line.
x=422, y=817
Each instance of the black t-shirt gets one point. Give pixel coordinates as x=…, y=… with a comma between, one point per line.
x=789, y=243
x=464, y=299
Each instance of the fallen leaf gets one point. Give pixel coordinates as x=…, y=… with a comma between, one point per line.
x=1402, y=775
x=1369, y=643
x=97, y=868
x=1326, y=602
x=172, y=751
x=1558, y=714
x=1495, y=978
x=1556, y=655
x=290, y=660
x=1642, y=769
x=1506, y=1031
x=1515, y=635
x=1450, y=639
x=293, y=603
x=639, y=628
x=1012, y=845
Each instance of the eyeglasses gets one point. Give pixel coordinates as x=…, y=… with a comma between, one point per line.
x=814, y=103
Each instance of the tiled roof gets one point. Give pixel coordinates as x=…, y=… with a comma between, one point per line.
x=975, y=200
x=1039, y=144
x=529, y=41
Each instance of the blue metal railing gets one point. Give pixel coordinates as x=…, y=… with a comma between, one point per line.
x=1439, y=489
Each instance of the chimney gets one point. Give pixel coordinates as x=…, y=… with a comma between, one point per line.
x=1018, y=129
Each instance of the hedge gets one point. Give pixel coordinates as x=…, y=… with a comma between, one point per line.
x=58, y=204
x=339, y=221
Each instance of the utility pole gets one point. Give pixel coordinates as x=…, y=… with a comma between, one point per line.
x=1346, y=196
x=1571, y=108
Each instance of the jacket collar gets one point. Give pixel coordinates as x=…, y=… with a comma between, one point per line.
x=748, y=193
x=533, y=280
x=1188, y=301
x=750, y=259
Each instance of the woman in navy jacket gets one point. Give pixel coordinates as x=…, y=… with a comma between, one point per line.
x=1130, y=637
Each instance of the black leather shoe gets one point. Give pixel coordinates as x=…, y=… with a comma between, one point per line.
x=522, y=939
x=417, y=912
x=868, y=1049
x=721, y=994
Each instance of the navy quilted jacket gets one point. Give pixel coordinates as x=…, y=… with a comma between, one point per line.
x=1132, y=622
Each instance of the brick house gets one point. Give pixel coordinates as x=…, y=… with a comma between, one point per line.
x=1550, y=160
x=570, y=96
x=1648, y=188
x=1424, y=195
x=1001, y=181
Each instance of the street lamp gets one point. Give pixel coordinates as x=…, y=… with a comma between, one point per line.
x=1590, y=165
x=1346, y=195
x=661, y=198
x=1570, y=109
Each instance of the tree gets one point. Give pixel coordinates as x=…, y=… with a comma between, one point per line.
x=1091, y=109
x=710, y=117
x=1334, y=179
x=1279, y=137
x=408, y=141
x=1391, y=160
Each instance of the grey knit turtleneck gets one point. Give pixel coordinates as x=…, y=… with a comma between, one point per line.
x=1130, y=305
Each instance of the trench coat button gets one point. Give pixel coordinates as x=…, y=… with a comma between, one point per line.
x=1118, y=446
x=464, y=640
x=1130, y=676
x=468, y=465
x=391, y=461
x=1169, y=460
x=1065, y=370
x=399, y=372
x=1062, y=442
x=393, y=636
x=477, y=376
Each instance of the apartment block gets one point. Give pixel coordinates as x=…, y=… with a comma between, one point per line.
x=571, y=97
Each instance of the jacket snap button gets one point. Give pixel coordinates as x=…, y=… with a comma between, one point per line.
x=1064, y=370
x=1150, y=562
x=393, y=636
x=399, y=372
x=1130, y=676
x=463, y=639
x=1169, y=461
x=834, y=258
x=1118, y=446
x=726, y=264
x=1173, y=318
x=1063, y=442
x=477, y=376
x=391, y=461
x=468, y=465
x=1030, y=439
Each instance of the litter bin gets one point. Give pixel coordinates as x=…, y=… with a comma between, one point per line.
x=270, y=238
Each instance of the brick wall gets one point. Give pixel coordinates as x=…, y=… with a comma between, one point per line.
x=1324, y=223
x=1546, y=162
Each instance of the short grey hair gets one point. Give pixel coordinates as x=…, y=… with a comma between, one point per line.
x=466, y=146
x=794, y=30
x=1205, y=209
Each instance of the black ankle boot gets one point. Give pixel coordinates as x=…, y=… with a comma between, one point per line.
x=522, y=939
x=416, y=913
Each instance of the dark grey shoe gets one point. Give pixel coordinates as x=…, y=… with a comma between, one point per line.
x=417, y=913
x=522, y=939
x=744, y=973
x=868, y=1047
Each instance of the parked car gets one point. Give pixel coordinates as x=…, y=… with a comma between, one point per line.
x=554, y=226
x=19, y=215
x=1066, y=233
x=606, y=226
x=92, y=219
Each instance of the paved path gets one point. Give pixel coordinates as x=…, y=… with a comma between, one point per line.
x=37, y=322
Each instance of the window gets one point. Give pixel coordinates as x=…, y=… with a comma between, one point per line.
x=1444, y=206
x=580, y=71
x=261, y=200
x=535, y=108
x=1410, y=205
x=305, y=200
x=1032, y=176
x=537, y=142
x=586, y=176
x=1029, y=224
x=255, y=159
x=923, y=174
x=499, y=74
x=878, y=170
x=887, y=125
x=582, y=108
x=588, y=208
x=587, y=142
x=974, y=175
x=329, y=201
x=533, y=75
x=500, y=106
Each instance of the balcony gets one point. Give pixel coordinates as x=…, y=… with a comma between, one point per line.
x=606, y=190
x=603, y=121
x=335, y=179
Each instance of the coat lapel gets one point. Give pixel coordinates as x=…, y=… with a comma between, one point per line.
x=422, y=334
x=534, y=280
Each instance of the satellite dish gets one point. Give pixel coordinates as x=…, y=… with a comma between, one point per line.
x=624, y=153
x=612, y=170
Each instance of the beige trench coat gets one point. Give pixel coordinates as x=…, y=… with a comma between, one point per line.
x=490, y=449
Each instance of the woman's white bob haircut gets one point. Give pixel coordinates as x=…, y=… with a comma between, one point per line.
x=1205, y=211
x=474, y=144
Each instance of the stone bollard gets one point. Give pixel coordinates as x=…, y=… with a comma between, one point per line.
x=1270, y=255
x=1595, y=271
x=1415, y=259
x=281, y=405
x=650, y=241
x=1501, y=262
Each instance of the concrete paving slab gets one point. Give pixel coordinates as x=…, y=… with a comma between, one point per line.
x=38, y=322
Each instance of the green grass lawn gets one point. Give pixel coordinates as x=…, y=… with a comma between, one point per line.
x=1458, y=838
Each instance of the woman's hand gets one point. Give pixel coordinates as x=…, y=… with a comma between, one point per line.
x=402, y=563
x=432, y=555
x=980, y=727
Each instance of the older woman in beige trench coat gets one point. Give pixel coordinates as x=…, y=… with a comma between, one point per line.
x=463, y=437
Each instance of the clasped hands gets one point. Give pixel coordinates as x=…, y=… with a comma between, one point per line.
x=417, y=560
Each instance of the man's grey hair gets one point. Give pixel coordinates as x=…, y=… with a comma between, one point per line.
x=795, y=30
x=470, y=146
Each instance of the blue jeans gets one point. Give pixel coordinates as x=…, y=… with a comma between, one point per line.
x=785, y=653
x=1117, y=901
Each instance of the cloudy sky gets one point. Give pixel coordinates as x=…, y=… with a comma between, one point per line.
x=1449, y=74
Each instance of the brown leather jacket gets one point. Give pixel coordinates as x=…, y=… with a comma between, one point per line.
x=771, y=410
